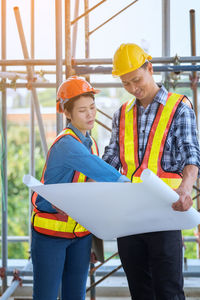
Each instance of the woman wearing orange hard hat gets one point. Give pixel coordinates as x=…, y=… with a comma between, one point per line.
x=61, y=247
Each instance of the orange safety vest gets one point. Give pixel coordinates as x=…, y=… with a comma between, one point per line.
x=128, y=141
x=56, y=224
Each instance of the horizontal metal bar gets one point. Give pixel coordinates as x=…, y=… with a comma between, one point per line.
x=96, y=85
x=21, y=273
x=108, y=70
x=191, y=274
x=16, y=239
x=190, y=239
x=93, y=61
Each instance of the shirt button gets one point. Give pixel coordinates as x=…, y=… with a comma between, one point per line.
x=140, y=149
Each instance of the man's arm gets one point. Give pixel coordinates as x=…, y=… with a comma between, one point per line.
x=111, y=153
x=190, y=173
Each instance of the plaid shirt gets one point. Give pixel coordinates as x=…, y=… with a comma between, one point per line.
x=181, y=146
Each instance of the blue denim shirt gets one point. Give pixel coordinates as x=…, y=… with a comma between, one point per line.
x=69, y=155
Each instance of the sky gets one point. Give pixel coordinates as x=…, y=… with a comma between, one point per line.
x=141, y=22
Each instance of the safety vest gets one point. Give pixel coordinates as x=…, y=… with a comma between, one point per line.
x=56, y=224
x=128, y=141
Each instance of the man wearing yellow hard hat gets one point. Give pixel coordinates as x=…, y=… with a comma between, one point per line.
x=157, y=130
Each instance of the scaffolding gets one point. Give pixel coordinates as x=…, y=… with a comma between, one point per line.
x=164, y=65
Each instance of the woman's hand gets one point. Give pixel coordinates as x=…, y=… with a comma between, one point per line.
x=59, y=210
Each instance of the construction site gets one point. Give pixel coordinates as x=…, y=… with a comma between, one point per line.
x=43, y=44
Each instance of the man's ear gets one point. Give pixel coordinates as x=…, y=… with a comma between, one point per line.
x=150, y=68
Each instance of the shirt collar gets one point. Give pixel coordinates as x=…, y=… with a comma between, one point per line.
x=86, y=140
x=160, y=97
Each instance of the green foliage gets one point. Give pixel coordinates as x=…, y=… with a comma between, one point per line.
x=47, y=97
x=190, y=248
x=18, y=194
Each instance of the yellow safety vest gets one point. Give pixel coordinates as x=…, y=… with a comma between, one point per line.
x=128, y=141
x=56, y=224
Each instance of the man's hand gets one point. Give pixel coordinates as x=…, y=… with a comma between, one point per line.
x=184, y=202
x=93, y=258
x=185, y=189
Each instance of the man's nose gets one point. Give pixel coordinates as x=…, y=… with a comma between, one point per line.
x=132, y=87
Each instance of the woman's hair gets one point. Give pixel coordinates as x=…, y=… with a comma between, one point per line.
x=70, y=104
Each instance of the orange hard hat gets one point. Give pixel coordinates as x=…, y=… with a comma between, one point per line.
x=72, y=87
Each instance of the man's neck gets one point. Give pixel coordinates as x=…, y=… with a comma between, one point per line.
x=146, y=101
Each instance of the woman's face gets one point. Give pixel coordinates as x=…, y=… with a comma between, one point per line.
x=83, y=114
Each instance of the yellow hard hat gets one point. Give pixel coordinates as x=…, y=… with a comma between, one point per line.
x=128, y=58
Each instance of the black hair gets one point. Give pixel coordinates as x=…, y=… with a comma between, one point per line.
x=144, y=66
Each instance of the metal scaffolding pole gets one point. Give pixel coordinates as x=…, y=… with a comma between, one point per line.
x=193, y=53
x=95, y=84
x=75, y=28
x=15, y=283
x=108, y=70
x=194, y=86
x=68, y=57
x=4, y=181
x=59, y=63
x=87, y=37
x=30, y=74
x=32, y=115
x=94, y=61
x=166, y=35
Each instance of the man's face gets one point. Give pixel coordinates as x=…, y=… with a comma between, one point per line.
x=139, y=82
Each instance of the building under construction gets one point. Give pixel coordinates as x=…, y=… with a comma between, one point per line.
x=79, y=38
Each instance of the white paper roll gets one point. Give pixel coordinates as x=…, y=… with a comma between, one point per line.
x=31, y=181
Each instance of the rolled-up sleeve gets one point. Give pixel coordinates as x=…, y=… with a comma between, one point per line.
x=186, y=136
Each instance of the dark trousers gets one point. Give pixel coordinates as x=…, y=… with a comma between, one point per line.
x=153, y=265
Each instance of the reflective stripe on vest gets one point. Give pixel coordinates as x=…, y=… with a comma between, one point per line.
x=128, y=140
x=56, y=224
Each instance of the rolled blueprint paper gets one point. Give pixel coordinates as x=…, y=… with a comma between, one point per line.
x=116, y=209
x=31, y=181
x=157, y=186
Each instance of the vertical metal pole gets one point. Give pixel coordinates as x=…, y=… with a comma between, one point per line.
x=87, y=55
x=30, y=74
x=87, y=37
x=59, y=78
x=75, y=27
x=166, y=36
x=194, y=90
x=68, y=61
x=193, y=53
x=32, y=119
x=4, y=149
